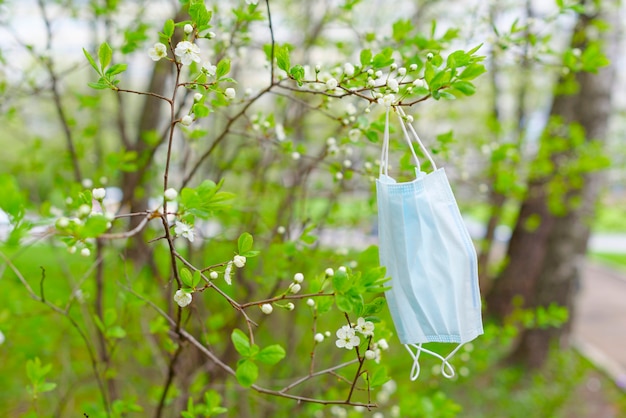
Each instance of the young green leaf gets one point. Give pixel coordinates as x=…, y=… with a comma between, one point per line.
x=92, y=62
x=247, y=373
x=168, y=28
x=244, y=243
x=186, y=277
x=271, y=354
x=241, y=342
x=105, y=53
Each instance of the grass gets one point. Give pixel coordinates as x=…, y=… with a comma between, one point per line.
x=617, y=261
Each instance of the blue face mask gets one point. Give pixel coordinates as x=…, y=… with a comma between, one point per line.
x=430, y=258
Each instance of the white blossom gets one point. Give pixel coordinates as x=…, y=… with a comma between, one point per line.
x=99, y=193
x=184, y=230
x=339, y=176
x=294, y=288
x=71, y=249
x=354, y=135
x=329, y=272
x=290, y=306
x=84, y=210
x=347, y=163
x=382, y=343
x=187, y=52
x=364, y=327
x=281, y=230
x=319, y=337
x=2, y=338
x=412, y=67
x=187, y=120
x=342, y=269
x=158, y=51
x=387, y=100
x=401, y=71
x=63, y=222
x=182, y=298
x=378, y=74
x=227, y=271
x=188, y=28
x=239, y=261
x=230, y=93
x=295, y=155
x=85, y=252
x=331, y=141
x=327, y=334
x=267, y=308
x=420, y=83
x=331, y=84
x=280, y=132
x=213, y=275
x=392, y=83
x=393, y=66
x=209, y=68
x=346, y=338
x=370, y=355
x=348, y=69
x=298, y=277
x=197, y=97
x=310, y=302
x=170, y=194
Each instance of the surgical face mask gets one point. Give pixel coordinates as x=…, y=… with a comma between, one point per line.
x=428, y=253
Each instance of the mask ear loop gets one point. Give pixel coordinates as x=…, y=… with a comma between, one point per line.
x=446, y=368
x=384, y=156
x=408, y=140
x=417, y=138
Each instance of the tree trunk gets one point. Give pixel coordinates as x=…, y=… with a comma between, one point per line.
x=545, y=257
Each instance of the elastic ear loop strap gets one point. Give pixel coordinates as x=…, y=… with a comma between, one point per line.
x=408, y=140
x=384, y=156
x=446, y=368
x=417, y=138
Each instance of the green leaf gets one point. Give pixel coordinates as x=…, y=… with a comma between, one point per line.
x=297, y=72
x=200, y=110
x=199, y=13
x=116, y=69
x=13, y=199
x=271, y=354
x=341, y=282
x=383, y=58
x=197, y=278
x=223, y=68
x=244, y=243
x=472, y=71
x=458, y=59
x=241, y=342
x=116, y=332
x=94, y=226
x=110, y=316
x=91, y=61
x=374, y=306
x=105, y=53
x=464, y=87
x=379, y=377
x=98, y=86
x=365, y=57
x=186, y=277
x=46, y=387
x=282, y=57
x=343, y=303
x=168, y=28
x=247, y=373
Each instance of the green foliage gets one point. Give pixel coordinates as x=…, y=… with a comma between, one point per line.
x=247, y=370
x=36, y=373
x=203, y=201
x=107, y=74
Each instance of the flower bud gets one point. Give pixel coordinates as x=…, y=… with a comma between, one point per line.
x=267, y=308
x=310, y=302
x=295, y=288
x=319, y=337
x=188, y=28
x=187, y=120
x=239, y=261
x=298, y=277
x=370, y=355
x=99, y=193
x=213, y=275
x=170, y=194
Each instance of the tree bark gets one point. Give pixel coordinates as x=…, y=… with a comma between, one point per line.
x=544, y=261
